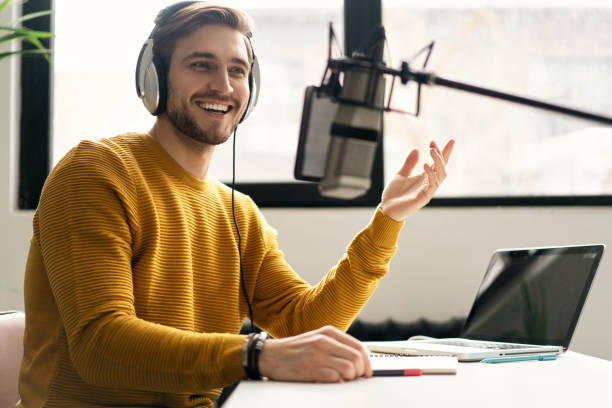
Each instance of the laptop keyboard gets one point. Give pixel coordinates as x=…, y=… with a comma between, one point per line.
x=480, y=344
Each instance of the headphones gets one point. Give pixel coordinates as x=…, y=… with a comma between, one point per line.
x=151, y=81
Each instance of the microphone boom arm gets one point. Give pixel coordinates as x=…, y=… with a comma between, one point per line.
x=429, y=78
x=405, y=73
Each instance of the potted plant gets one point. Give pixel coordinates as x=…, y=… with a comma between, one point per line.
x=13, y=30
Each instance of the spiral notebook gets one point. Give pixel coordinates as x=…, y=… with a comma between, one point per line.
x=428, y=364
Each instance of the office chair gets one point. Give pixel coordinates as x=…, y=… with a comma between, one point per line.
x=12, y=326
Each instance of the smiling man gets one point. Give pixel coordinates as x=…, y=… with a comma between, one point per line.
x=142, y=267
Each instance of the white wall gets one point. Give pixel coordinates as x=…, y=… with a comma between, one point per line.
x=442, y=252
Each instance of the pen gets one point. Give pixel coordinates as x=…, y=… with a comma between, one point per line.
x=509, y=359
x=400, y=373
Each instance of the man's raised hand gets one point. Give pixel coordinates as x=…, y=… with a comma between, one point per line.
x=406, y=193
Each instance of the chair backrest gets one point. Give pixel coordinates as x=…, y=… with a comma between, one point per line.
x=12, y=326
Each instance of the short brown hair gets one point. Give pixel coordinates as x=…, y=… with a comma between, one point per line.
x=190, y=18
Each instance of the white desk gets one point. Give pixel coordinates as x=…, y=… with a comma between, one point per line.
x=573, y=380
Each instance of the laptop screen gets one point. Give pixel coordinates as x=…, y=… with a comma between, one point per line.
x=533, y=296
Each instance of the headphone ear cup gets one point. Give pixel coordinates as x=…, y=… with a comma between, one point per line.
x=254, y=78
x=159, y=79
x=248, y=109
x=151, y=79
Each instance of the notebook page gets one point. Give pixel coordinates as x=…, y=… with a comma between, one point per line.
x=429, y=364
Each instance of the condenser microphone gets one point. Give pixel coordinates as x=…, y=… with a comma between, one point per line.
x=357, y=124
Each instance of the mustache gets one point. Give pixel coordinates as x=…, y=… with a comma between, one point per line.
x=215, y=96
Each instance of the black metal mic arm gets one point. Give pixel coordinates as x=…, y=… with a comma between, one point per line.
x=430, y=78
x=406, y=74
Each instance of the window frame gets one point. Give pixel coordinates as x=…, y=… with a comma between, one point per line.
x=36, y=110
x=35, y=136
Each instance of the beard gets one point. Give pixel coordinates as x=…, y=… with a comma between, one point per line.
x=183, y=120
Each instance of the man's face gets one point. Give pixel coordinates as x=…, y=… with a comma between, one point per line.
x=208, y=85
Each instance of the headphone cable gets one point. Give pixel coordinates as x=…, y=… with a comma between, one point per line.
x=244, y=291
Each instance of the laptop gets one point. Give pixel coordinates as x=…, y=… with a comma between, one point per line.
x=529, y=302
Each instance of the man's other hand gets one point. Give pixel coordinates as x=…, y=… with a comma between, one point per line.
x=323, y=355
x=406, y=194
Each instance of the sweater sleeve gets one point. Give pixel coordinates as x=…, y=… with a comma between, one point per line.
x=286, y=305
x=83, y=228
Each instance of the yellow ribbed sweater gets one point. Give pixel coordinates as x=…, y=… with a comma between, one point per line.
x=132, y=288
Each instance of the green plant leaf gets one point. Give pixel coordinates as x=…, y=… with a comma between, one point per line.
x=33, y=40
x=25, y=34
x=4, y=4
x=32, y=16
x=10, y=37
x=44, y=52
x=36, y=42
x=29, y=33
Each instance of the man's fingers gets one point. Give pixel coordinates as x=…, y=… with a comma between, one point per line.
x=345, y=368
x=409, y=163
x=340, y=336
x=349, y=348
x=413, y=158
x=433, y=179
x=328, y=375
x=447, y=150
x=438, y=167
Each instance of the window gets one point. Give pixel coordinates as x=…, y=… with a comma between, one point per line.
x=506, y=154
x=559, y=51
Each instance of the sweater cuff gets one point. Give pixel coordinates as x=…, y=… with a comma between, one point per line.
x=230, y=358
x=384, y=230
